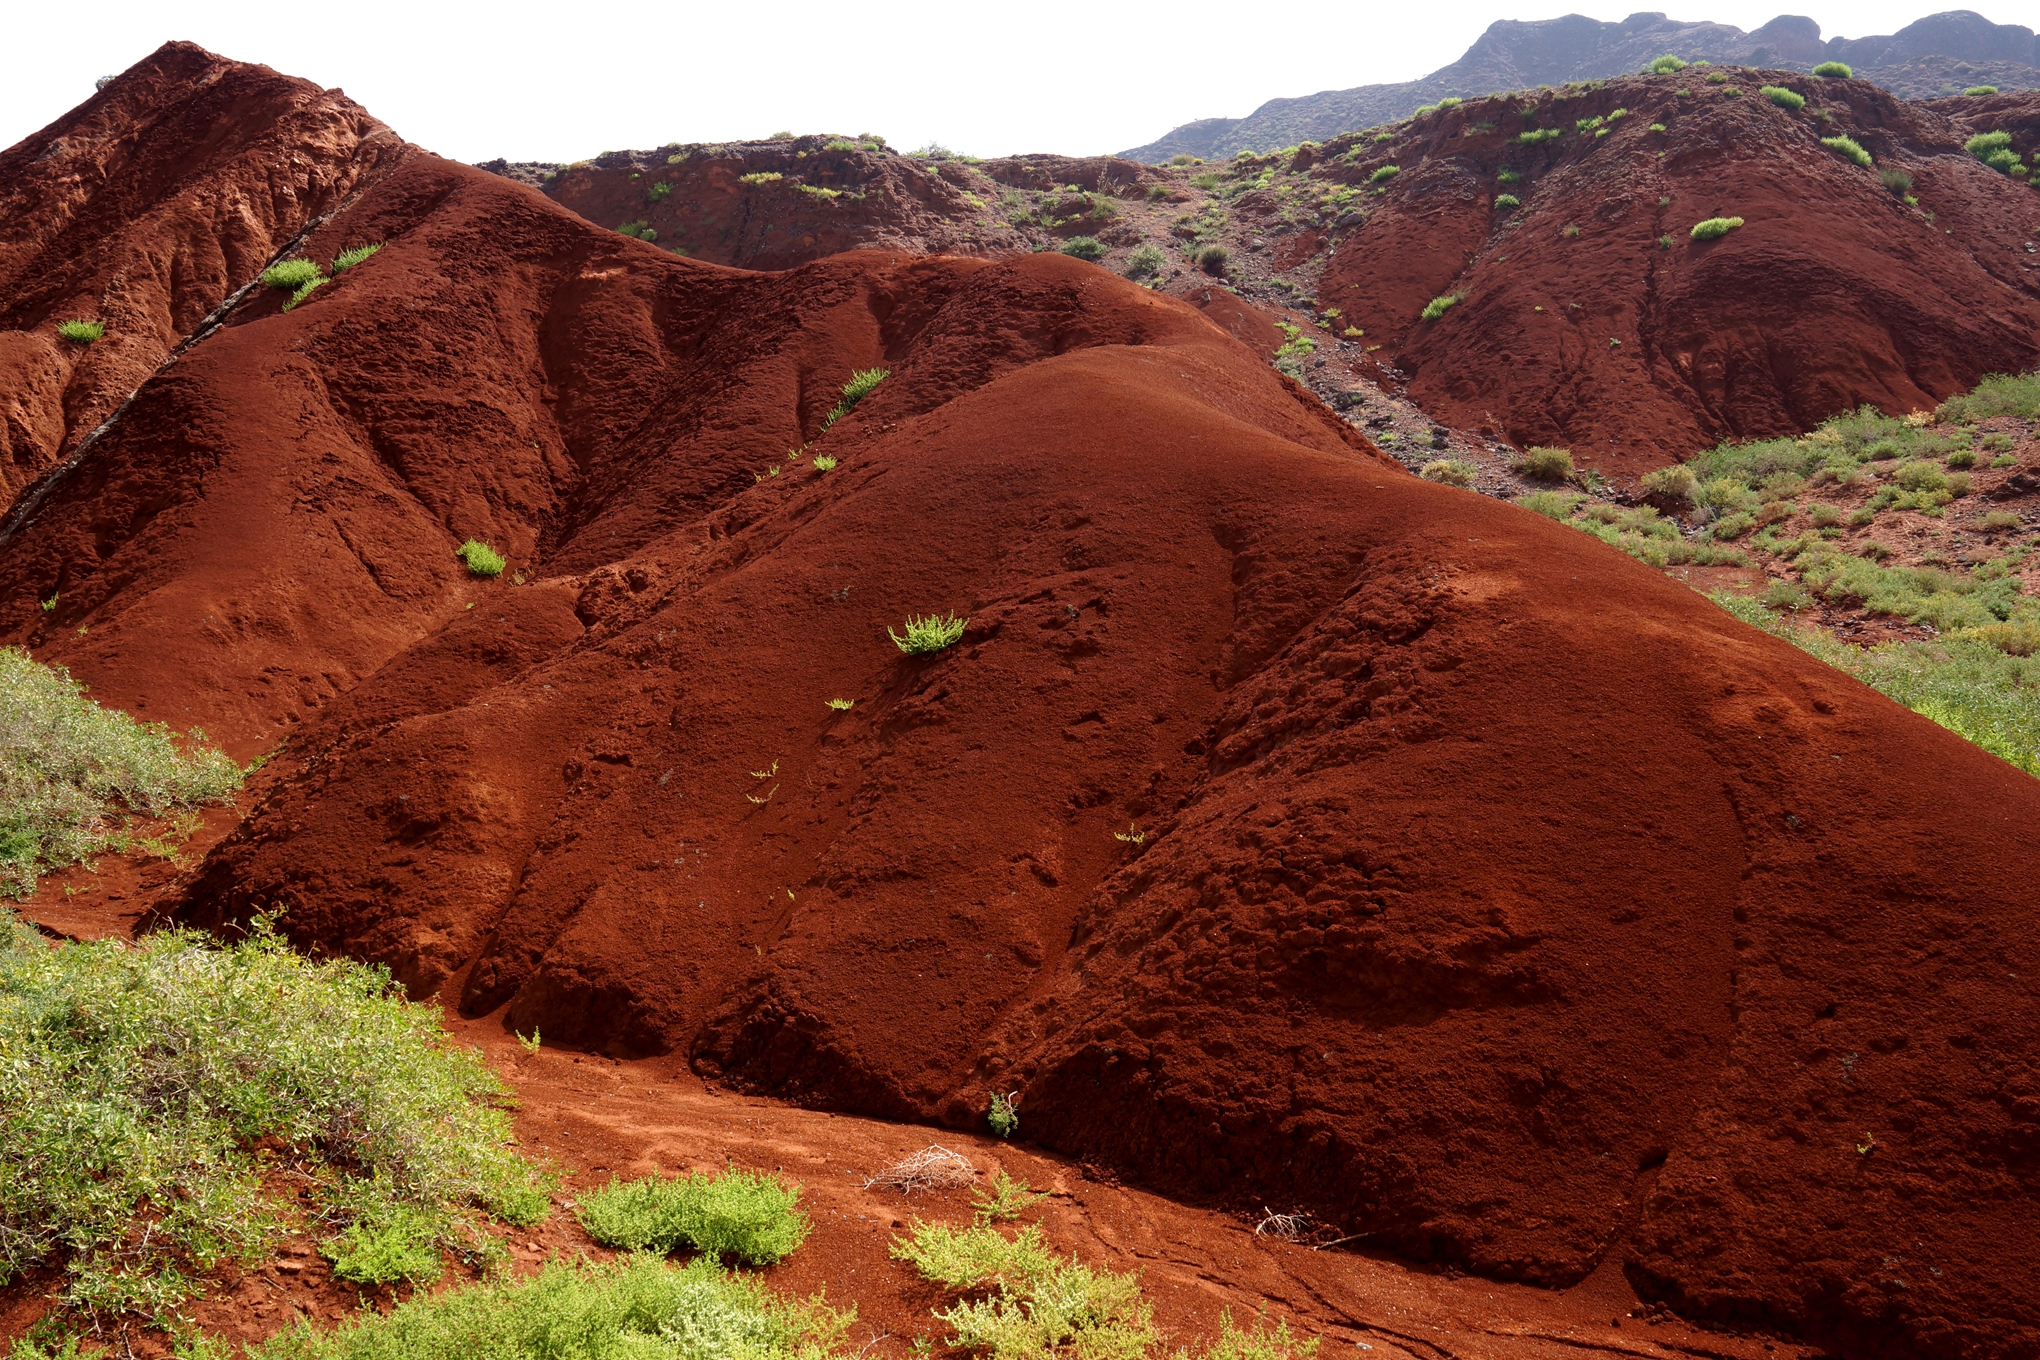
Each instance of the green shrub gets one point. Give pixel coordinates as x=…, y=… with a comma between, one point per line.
x=1834, y=70
x=353, y=256
x=1996, y=521
x=1714, y=77
x=481, y=559
x=863, y=381
x=1849, y=147
x=1385, y=173
x=824, y=463
x=747, y=1215
x=1714, y=227
x=1998, y=394
x=1983, y=143
x=658, y=192
x=760, y=177
x=71, y=772
x=1451, y=472
x=151, y=1092
x=81, y=332
x=1782, y=97
x=1212, y=260
x=1962, y=458
x=1438, y=306
x=929, y=635
x=1898, y=181
x=636, y=1308
x=1675, y=483
x=1003, y=1116
x=1544, y=465
x=1536, y=135
x=1980, y=89
x=1006, y=1199
x=1084, y=248
x=399, y=1245
x=1507, y=201
x=1665, y=65
x=1035, y=1303
x=290, y=275
x=1145, y=262
x=641, y=231
x=305, y=290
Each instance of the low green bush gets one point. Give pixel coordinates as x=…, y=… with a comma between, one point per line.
x=170, y=1105
x=291, y=274
x=1507, y=201
x=1544, y=464
x=1998, y=394
x=1384, y=173
x=1084, y=248
x=748, y=1215
x=81, y=332
x=305, y=290
x=353, y=256
x=1438, y=306
x=1536, y=135
x=1212, y=260
x=636, y=1308
x=1146, y=261
x=1834, y=70
x=928, y=635
x=1034, y=1303
x=71, y=773
x=641, y=230
x=1508, y=176
x=658, y=192
x=1450, y=472
x=1980, y=89
x=1714, y=227
x=1665, y=65
x=1898, y=181
x=1849, y=147
x=1674, y=484
x=481, y=559
x=863, y=382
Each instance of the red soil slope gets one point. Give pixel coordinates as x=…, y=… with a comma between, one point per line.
x=1480, y=889
x=1834, y=293
x=144, y=207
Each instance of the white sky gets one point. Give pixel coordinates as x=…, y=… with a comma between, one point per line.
x=566, y=81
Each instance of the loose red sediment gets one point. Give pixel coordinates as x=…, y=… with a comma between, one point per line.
x=1481, y=890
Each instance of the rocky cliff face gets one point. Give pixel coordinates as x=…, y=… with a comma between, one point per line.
x=1517, y=55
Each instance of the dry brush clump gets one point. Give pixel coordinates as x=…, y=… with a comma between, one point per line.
x=932, y=1168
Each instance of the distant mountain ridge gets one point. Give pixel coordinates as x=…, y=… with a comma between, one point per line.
x=1923, y=59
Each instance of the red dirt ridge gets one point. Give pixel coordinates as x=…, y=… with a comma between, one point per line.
x=1283, y=828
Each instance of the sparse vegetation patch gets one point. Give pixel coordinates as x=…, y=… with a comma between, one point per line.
x=750, y=1216
x=1714, y=227
x=81, y=332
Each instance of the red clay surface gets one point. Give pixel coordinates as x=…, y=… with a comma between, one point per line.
x=144, y=207
x=1482, y=892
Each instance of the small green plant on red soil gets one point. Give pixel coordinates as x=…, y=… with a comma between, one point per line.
x=481, y=559
x=926, y=636
x=1994, y=149
x=353, y=256
x=174, y=1104
x=1665, y=65
x=1673, y=484
x=635, y=1308
x=1848, y=147
x=842, y=705
x=1979, y=89
x=1898, y=181
x=1834, y=70
x=1714, y=227
x=751, y=1216
x=1438, y=306
x=824, y=463
x=1003, y=1117
x=72, y=774
x=658, y=192
x=639, y=230
x=863, y=382
x=1384, y=174
x=1450, y=472
x=1145, y=262
x=1999, y=394
x=1004, y=1200
x=1505, y=202
x=1084, y=248
x=81, y=332
x=291, y=275
x=1212, y=260
x=1536, y=135
x=1544, y=464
